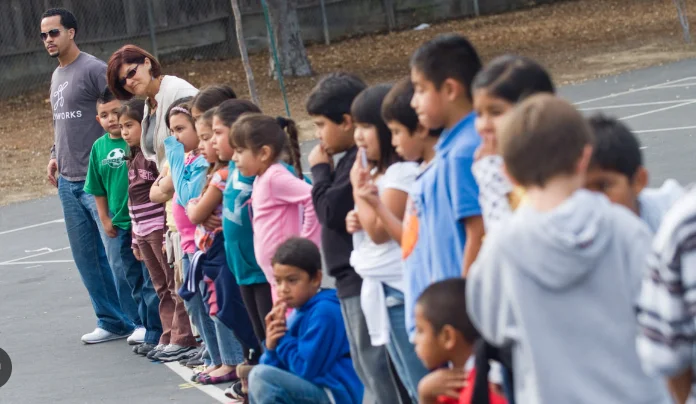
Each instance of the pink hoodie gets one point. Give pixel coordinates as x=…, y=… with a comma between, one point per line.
x=282, y=208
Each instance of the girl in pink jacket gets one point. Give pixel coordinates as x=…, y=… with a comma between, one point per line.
x=281, y=202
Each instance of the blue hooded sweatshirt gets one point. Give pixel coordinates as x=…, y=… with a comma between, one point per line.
x=315, y=348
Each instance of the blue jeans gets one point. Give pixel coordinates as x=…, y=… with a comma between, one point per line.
x=371, y=363
x=270, y=385
x=204, y=324
x=135, y=290
x=403, y=354
x=231, y=351
x=82, y=225
x=221, y=344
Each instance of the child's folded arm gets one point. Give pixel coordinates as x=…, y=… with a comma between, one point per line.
x=206, y=205
x=315, y=351
x=186, y=188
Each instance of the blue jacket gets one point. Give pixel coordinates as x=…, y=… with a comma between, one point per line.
x=236, y=225
x=316, y=349
x=188, y=179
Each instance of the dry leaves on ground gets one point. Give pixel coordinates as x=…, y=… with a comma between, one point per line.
x=576, y=40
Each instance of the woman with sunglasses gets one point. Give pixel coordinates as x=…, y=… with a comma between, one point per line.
x=132, y=71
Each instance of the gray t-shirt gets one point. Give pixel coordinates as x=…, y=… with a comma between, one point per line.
x=74, y=92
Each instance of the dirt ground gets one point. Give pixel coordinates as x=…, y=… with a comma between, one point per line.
x=576, y=40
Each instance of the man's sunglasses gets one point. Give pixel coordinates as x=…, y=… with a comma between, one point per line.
x=54, y=33
x=129, y=75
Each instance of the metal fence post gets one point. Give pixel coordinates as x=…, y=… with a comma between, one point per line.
x=324, y=20
x=151, y=23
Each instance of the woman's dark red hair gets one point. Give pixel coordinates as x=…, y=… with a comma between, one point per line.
x=128, y=54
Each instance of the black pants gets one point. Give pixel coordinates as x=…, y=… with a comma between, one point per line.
x=259, y=302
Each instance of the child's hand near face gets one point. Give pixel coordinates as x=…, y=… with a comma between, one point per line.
x=359, y=175
x=275, y=324
x=318, y=156
x=442, y=382
x=488, y=147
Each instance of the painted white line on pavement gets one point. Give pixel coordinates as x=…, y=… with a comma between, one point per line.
x=657, y=110
x=641, y=104
x=39, y=263
x=212, y=391
x=634, y=90
x=33, y=255
x=32, y=226
x=664, y=129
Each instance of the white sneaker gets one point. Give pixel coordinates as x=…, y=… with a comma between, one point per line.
x=100, y=335
x=138, y=336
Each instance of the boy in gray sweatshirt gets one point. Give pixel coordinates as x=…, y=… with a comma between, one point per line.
x=558, y=284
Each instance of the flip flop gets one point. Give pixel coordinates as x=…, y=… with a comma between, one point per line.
x=227, y=378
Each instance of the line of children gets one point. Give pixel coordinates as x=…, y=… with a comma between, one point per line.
x=427, y=165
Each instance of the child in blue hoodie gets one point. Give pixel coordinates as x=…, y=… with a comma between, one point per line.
x=307, y=356
x=617, y=170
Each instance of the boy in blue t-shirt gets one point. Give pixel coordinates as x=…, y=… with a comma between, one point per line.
x=445, y=225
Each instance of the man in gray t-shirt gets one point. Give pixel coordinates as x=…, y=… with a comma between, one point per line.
x=75, y=87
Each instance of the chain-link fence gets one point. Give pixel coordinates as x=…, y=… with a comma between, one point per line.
x=200, y=29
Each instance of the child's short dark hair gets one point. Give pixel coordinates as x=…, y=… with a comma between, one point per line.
x=397, y=105
x=366, y=109
x=333, y=95
x=444, y=303
x=301, y=253
x=543, y=137
x=106, y=96
x=212, y=96
x=448, y=56
x=513, y=78
x=616, y=148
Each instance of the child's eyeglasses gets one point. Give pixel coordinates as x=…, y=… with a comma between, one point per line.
x=54, y=33
x=129, y=75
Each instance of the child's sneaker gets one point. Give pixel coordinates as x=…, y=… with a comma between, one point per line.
x=235, y=391
x=174, y=352
x=144, y=349
x=151, y=355
x=100, y=335
x=137, y=337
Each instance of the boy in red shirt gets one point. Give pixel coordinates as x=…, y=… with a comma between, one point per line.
x=445, y=335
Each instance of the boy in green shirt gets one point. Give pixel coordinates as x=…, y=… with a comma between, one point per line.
x=107, y=180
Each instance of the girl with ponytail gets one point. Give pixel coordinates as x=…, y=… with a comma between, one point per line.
x=281, y=202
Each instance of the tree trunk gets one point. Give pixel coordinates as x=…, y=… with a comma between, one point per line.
x=286, y=29
x=681, y=14
x=243, y=52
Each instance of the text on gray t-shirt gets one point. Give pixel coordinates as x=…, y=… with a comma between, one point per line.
x=74, y=92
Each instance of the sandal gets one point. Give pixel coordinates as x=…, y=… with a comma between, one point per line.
x=227, y=378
